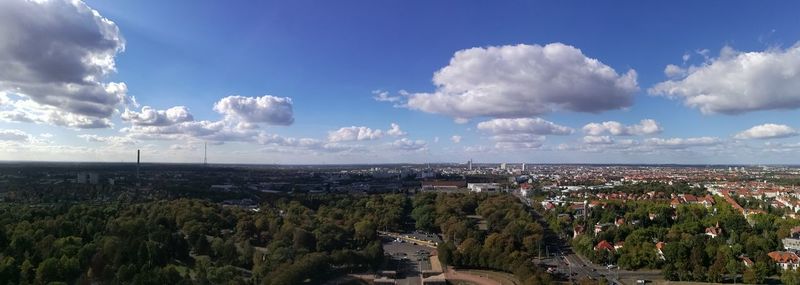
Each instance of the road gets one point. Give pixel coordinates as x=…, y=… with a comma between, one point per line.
x=574, y=266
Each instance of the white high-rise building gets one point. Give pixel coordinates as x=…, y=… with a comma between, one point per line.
x=523, y=166
x=503, y=166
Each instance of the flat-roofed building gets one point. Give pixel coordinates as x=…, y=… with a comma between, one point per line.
x=483, y=187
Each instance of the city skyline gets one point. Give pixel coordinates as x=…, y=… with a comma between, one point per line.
x=362, y=82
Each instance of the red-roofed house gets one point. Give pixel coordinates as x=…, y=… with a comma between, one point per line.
x=660, y=249
x=747, y=261
x=707, y=201
x=604, y=245
x=785, y=259
x=714, y=231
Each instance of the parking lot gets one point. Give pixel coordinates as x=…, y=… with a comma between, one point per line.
x=407, y=259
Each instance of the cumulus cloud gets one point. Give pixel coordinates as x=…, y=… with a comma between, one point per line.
x=781, y=147
x=383, y=96
x=598, y=140
x=738, y=82
x=673, y=71
x=14, y=136
x=681, y=143
x=406, y=144
x=518, y=145
x=645, y=127
x=395, y=131
x=152, y=117
x=354, y=134
x=59, y=53
x=517, y=141
x=242, y=121
x=266, y=109
x=111, y=140
x=524, y=80
x=455, y=139
x=767, y=131
x=535, y=126
x=20, y=108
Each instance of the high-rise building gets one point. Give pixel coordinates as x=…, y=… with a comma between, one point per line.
x=503, y=166
x=469, y=164
x=523, y=166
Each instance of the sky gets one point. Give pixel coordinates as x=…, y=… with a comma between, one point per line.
x=337, y=82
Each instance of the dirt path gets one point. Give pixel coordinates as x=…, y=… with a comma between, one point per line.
x=480, y=280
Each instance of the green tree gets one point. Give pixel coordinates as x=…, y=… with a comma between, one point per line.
x=365, y=231
x=47, y=271
x=790, y=277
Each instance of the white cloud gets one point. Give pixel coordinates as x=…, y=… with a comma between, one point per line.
x=525, y=80
x=455, y=139
x=518, y=145
x=598, y=140
x=395, y=131
x=517, y=141
x=535, y=126
x=781, y=147
x=767, y=131
x=20, y=108
x=184, y=147
x=14, y=136
x=111, y=140
x=354, y=134
x=645, y=127
x=673, y=71
x=59, y=53
x=681, y=143
x=152, y=117
x=738, y=82
x=383, y=96
x=265, y=109
x=409, y=145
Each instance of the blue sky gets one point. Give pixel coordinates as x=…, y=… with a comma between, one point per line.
x=330, y=57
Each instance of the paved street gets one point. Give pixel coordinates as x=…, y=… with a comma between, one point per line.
x=576, y=267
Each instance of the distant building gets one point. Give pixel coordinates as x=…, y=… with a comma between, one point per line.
x=483, y=187
x=747, y=261
x=791, y=244
x=598, y=228
x=786, y=260
x=604, y=245
x=714, y=231
x=660, y=249
x=87, y=178
x=443, y=185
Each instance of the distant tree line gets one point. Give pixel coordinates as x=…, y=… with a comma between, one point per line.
x=304, y=239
